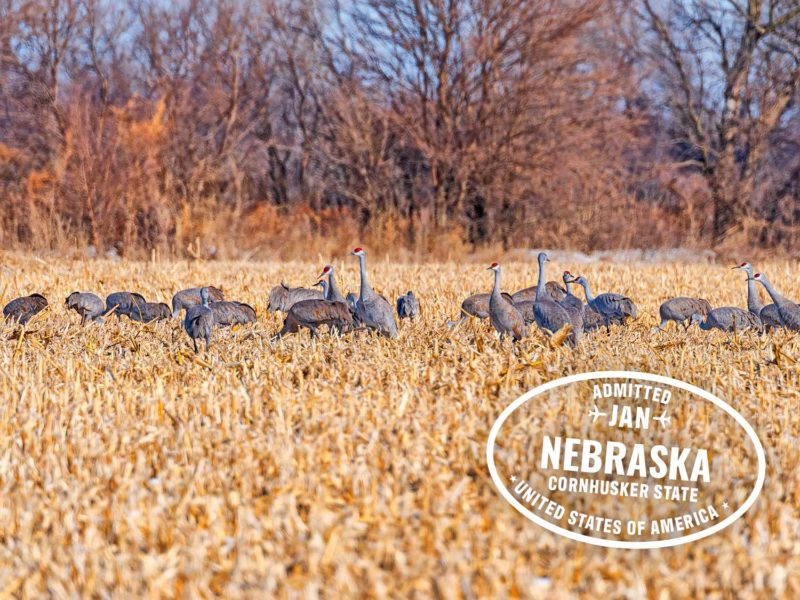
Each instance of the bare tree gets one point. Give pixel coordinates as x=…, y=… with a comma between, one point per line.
x=728, y=71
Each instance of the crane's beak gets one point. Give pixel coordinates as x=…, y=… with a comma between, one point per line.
x=736, y=267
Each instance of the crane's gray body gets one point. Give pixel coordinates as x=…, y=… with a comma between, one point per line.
x=199, y=321
x=151, y=311
x=503, y=315
x=729, y=319
x=123, y=303
x=407, y=306
x=89, y=306
x=681, y=309
x=770, y=314
x=570, y=300
x=22, y=309
x=789, y=311
x=312, y=314
x=352, y=302
x=476, y=306
x=553, y=290
x=228, y=313
x=548, y=313
x=187, y=298
x=613, y=308
x=283, y=297
x=372, y=309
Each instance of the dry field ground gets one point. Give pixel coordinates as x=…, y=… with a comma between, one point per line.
x=347, y=467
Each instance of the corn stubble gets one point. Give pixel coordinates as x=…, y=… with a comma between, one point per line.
x=350, y=466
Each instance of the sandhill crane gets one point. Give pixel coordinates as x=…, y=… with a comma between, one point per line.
x=185, y=299
x=229, y=313
x=314, y=313
x=504, y=316
x=373, y=310
x=151, y=311
x=407, y=306
x=789, y=311
x=123, y=303
x=612, y=308
x=199, y=321
x=331, y=291
x=89, y=306
x=728, y=318
x=282, y=297
x=570, y=299
x=22, y=309
x=681, y=310
x=549, y=314
x=770, y=315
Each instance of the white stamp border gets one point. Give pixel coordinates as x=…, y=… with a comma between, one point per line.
x=628, y=545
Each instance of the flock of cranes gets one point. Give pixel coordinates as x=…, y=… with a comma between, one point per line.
x=550, y=306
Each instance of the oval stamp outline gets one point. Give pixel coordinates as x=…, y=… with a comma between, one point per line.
x=610, y=543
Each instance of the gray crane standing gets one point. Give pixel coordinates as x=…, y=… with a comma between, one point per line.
x=22, y=309
x=312, y=314
x=407, y=306
x=789, y=311
x=503, y=315
x=574, y=307
x=373, y=310
x=330, y=290
x=590, y=318
x=549, y=314
x=728, y=318
x=681, y=310
x=199, y=321
x=185, y=299
x=612, y=308
x=89, y=306
x=770, y=315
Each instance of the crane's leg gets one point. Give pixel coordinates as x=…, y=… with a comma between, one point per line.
x=83, y=318
x=194, y=341
x=208, y=341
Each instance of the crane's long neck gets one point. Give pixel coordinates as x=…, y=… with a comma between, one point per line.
x=776, y=297
x=496, y=288
x=587, y=291
x=366, y=290
x=540, y=282
x=333, y=291
x=566, y=285
x=754, y=304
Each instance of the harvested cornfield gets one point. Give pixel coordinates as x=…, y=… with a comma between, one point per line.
x=347, y=466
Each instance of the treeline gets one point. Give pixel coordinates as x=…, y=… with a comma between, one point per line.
x=207, y=127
